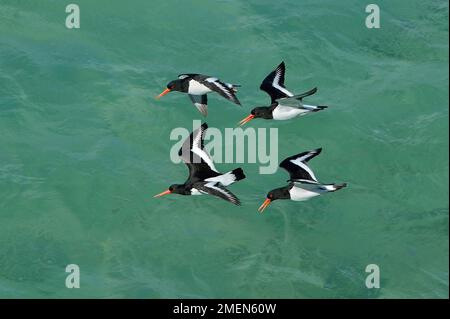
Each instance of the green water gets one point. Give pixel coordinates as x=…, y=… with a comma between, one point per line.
x=84, y=146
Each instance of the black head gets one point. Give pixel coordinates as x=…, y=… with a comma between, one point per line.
x=277, y=193
x=175, y=85
x=175, y=189
x=264, y=112
x=178, y=189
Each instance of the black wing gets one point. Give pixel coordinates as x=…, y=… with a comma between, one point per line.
x=273, y=84
x=196, y=158
x=296, y=100
x=297, y=167
x=224, y=89
x=218, y=190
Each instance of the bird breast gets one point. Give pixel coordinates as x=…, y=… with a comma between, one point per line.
x=301, y=194
x=196, y=88
x=282, y=112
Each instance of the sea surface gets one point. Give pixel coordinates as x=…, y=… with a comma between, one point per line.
x=84, y=146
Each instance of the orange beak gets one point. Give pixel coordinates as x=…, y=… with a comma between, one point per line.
x=167, y=192
x=264, y=205
x=163, y=93
x=247, y=119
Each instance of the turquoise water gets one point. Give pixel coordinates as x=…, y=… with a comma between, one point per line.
x=84, y=146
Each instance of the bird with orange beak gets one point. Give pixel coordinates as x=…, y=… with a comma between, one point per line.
x=284, y=104
x=203, y=178
x=197, y=86
x=303, y=184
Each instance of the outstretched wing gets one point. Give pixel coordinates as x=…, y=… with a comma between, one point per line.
x=195, y=157
x=201, y=103
x=223, y=89
x=296, y=100
x=297, y=166
x=218, y=190
x=273, y=84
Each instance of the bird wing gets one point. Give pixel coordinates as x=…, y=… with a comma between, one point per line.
x=218, y=190
x=187, y=75
x=200, y=102
x=297, y=167
x=192, y=152
x=296, y=100
x=273, y=84
x=223, y=89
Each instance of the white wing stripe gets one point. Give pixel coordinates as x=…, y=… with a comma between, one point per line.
x=276, y=84
x=223, y=89
x=203, y=155
x=220, y=190
x=305, y=157
x=304, y=167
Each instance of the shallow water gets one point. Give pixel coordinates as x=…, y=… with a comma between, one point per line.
x=84, y=146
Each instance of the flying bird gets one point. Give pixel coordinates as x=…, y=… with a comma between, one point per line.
x=303, y=184
x=197, y=86
x=284, y=104
x=203, y=178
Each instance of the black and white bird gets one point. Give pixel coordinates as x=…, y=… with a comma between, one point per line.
x=197, y=86
x=284, y=104
x=303, y=184
x=203, y=178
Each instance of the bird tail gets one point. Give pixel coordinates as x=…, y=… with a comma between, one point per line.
x=233, y=86
x=238, y=174
x=334, y=187
x=320, y=108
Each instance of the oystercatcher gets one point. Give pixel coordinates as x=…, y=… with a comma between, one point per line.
x=303, y=184
x=203, y=178
x=198, y=85
x=285, y=105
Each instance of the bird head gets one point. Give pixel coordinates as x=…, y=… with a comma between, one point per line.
x=258, y=112
x=278, y=193
x=173, y=189
x=174, y=85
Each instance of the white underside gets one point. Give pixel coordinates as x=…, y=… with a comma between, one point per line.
x=282, y=112
x=197, y=88
x=301, y=192
x=195, y=191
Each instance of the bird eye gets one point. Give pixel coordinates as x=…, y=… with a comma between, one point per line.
x=252, y=112
x=170, y=188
